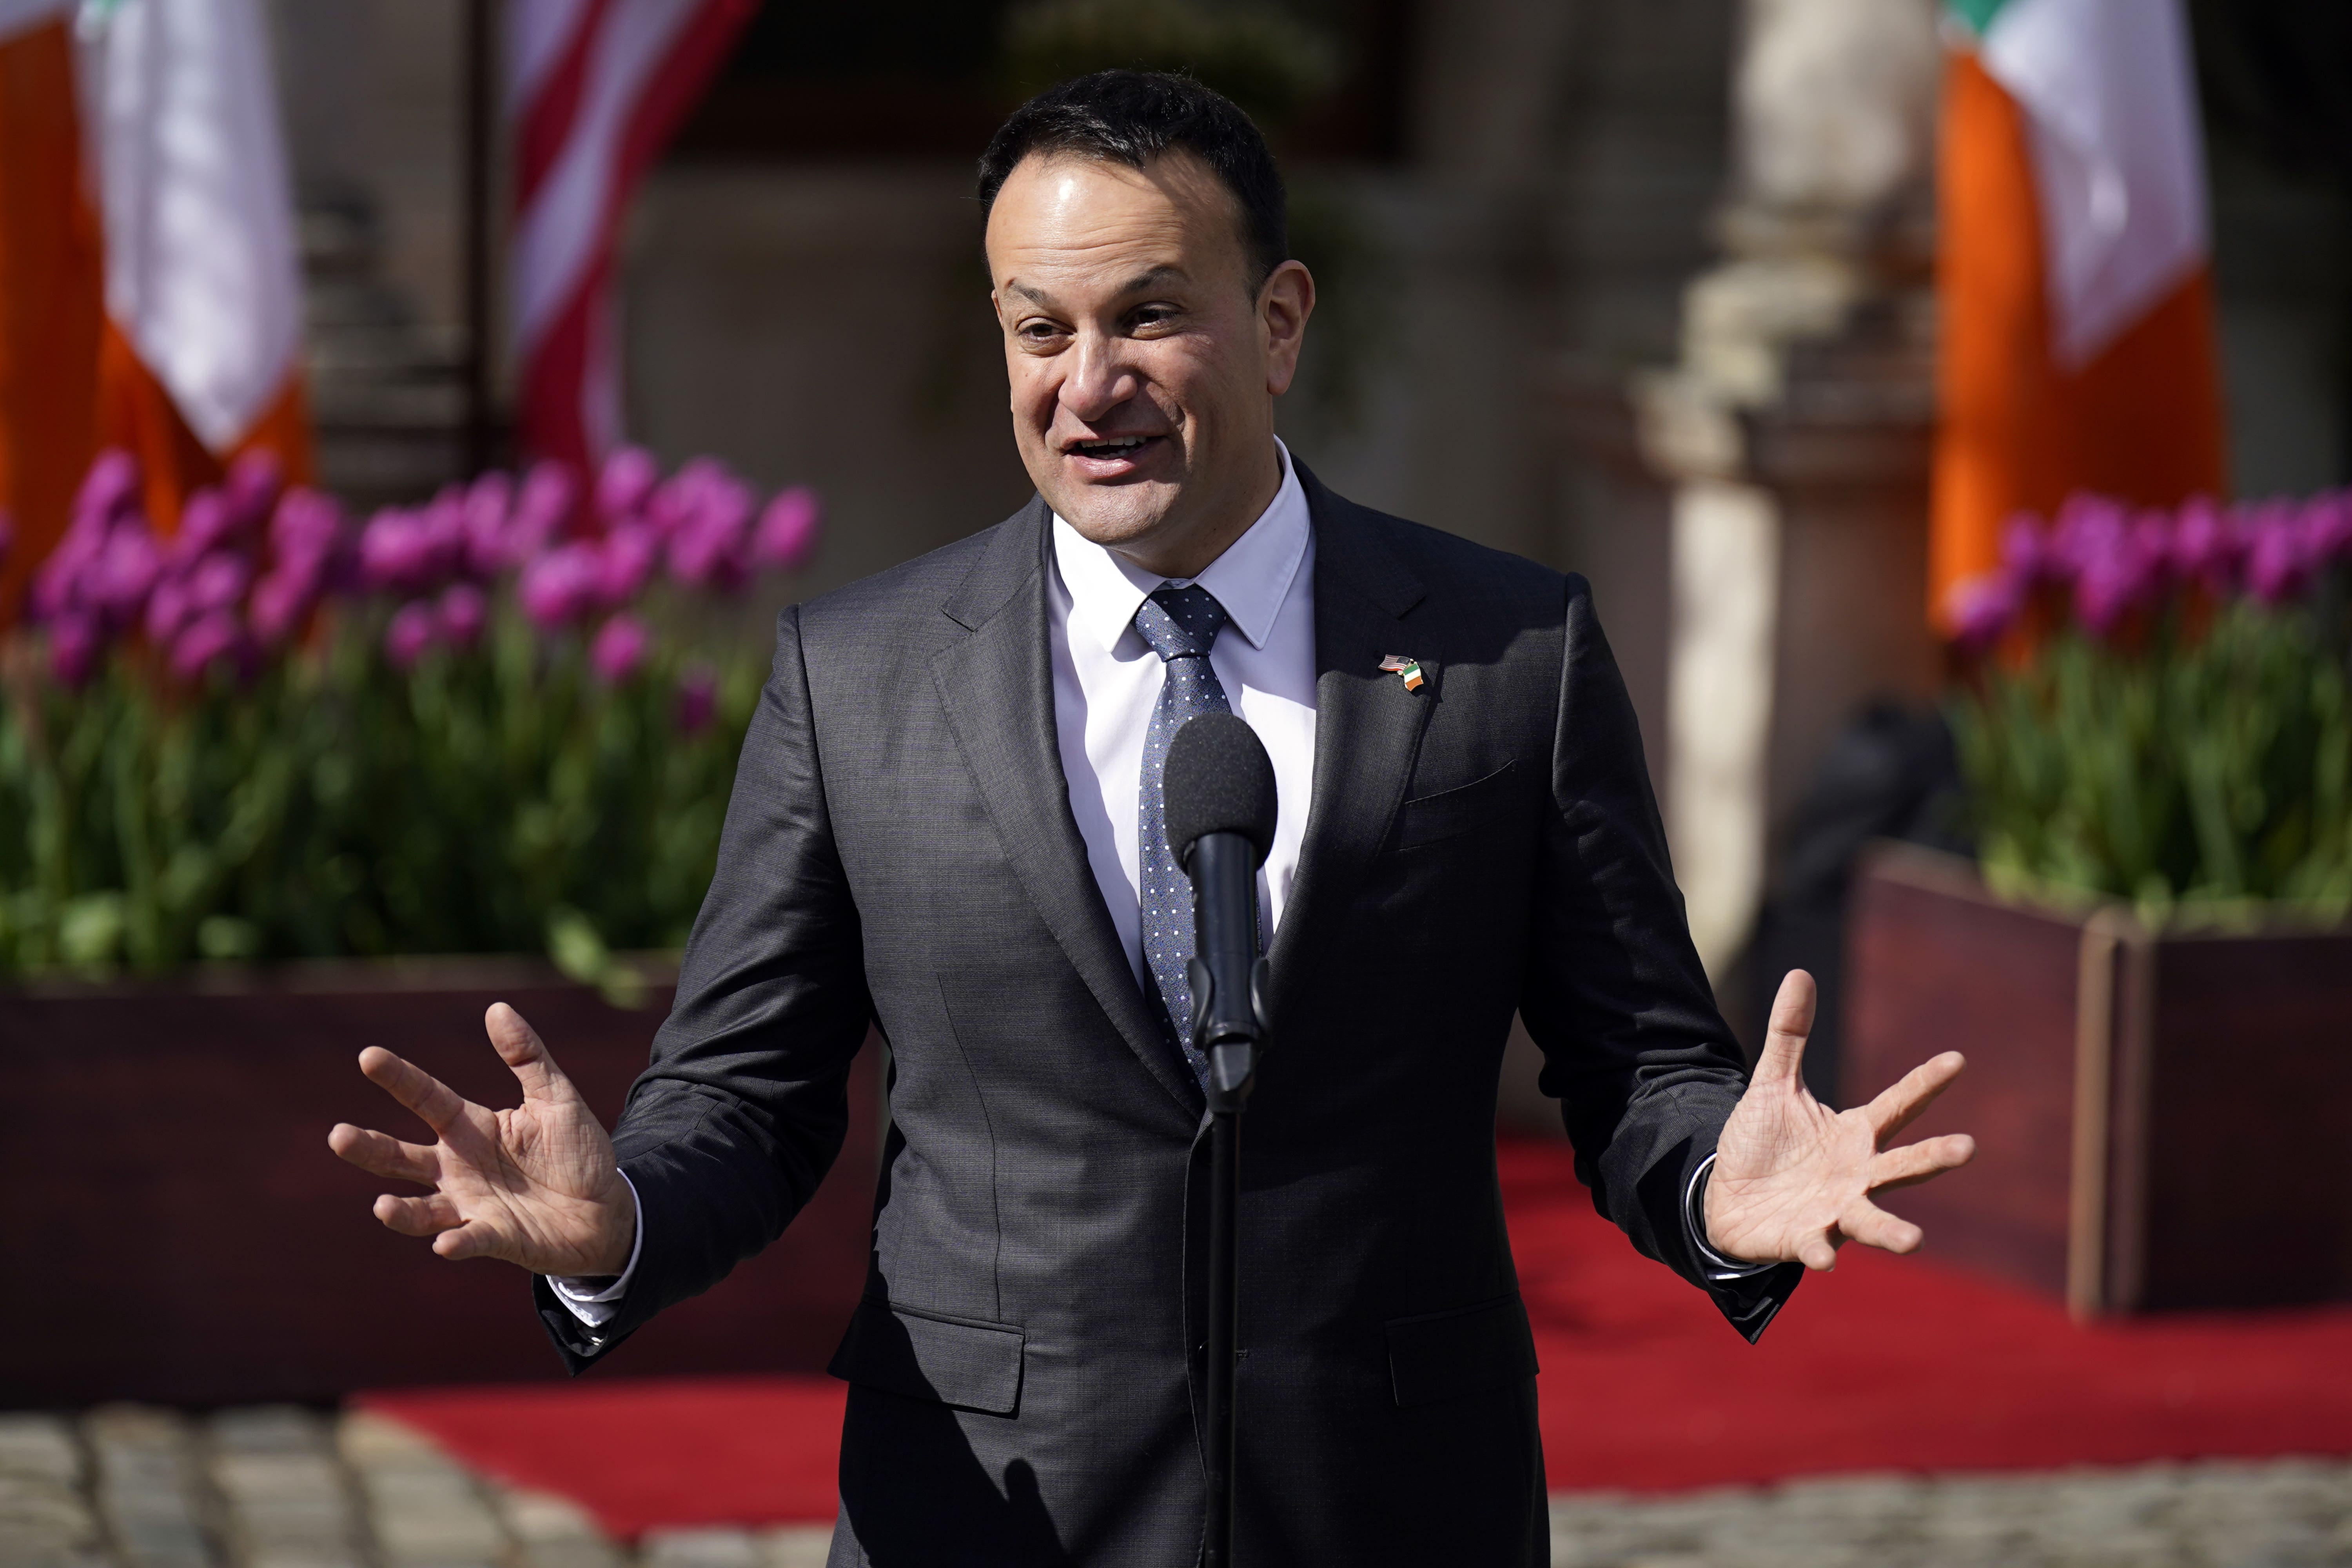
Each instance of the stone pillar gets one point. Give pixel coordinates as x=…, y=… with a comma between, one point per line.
x=1793, y=436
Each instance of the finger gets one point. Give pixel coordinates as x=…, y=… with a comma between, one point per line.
x=1916, y=1163
x=1901, y=1102
x=435, y=1102
x=1820, y=1253
x=1868, y=1224
x=1784, y=1038
x=417, y=1216
x=471, y=1239
x=380, y=1155
x=520, y=1046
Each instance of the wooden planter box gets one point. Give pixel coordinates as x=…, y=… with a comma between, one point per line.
x=175, y=1229
x=2161, y=1120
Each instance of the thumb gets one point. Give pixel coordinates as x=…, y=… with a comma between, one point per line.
x=520, y=1046
x=1784, y=1038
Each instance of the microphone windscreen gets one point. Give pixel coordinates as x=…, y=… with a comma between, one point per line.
x=1219, y=780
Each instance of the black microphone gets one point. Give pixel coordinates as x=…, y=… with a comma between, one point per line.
x=1220, y=800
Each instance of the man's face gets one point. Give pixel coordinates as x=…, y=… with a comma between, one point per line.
x=1143, y=365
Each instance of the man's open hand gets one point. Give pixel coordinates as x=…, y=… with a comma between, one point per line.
x=1792, y=1178
x=536, y=1185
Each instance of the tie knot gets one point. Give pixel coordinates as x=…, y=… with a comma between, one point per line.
x=1178, y=622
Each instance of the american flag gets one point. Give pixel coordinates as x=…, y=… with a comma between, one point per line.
x=593, y=89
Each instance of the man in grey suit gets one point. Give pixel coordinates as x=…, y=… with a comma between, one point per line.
x=946, y=821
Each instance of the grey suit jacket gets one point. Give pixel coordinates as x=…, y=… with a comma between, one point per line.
x=1026, y=1365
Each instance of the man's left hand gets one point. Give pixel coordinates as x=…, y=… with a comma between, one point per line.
x=1793, y=1179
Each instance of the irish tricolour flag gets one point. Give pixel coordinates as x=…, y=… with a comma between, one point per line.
x=2078, y=344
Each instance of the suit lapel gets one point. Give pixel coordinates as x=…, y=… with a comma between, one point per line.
x=997, y=685
x=1368, y=727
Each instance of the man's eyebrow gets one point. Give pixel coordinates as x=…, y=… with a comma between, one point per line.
x=1034, y=295
x=1163, y=273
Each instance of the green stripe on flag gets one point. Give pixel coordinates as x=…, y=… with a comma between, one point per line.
x=1977, y=14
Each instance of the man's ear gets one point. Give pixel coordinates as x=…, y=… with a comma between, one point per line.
x=1283, y=302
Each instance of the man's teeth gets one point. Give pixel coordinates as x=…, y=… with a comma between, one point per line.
x=1123, y=444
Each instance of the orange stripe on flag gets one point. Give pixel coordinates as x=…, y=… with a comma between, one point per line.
x=51, y=300
x=135, y=413
x=2142, y=422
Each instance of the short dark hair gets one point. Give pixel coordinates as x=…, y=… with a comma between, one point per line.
x=1132, y=117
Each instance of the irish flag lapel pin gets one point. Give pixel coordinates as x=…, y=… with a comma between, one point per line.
x=1406, y=666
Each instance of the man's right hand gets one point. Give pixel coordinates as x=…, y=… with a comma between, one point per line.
x=536, y=1185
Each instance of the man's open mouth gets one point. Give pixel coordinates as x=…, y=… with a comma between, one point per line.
x=1110, y=447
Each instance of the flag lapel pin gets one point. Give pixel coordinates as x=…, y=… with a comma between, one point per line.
x=1406, y=666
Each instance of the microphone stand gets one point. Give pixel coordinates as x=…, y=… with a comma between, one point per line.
x=1228, y=1026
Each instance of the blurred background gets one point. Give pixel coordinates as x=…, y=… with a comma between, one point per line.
x=412, y=413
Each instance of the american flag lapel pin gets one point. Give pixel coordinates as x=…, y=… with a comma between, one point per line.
x=1406, y=666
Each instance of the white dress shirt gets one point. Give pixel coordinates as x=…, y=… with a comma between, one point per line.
x=1106, y=685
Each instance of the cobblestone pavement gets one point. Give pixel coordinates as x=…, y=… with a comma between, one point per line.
x=278, y=1487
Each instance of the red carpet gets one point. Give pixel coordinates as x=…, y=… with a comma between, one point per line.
x=1887, y=1364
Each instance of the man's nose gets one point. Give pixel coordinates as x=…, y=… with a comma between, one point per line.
x=1101, y=380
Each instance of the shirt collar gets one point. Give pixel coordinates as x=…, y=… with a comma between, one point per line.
x=1250, y=579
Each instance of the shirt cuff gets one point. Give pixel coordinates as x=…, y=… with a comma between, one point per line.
x=1713, y=1264
x=595, y=1299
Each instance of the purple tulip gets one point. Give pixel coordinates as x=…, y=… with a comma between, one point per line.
x=626, y=484
x=253, y=485
x=2152, y=541
x=625, y=562
x=464, y=611
x=1981, y=609
x=2205, y=548
x=698, y=698
x=306, y=520
x=788, y=529
x=73, y=648
x=109, y=488
x=282, y=600
x=2024, y=546
x=219, y=582
x=398, y=552
x=413, y=630
x=2275, y=566
x=544, y=511
x=168, y=610
x=444, y=522
x=207, y=523
x=619, y=649
x=709, y=548
x=490, y=500
x=117, y=580
x=207, y=641
x=2326, y=525
x=58, y=584
x=560, y=586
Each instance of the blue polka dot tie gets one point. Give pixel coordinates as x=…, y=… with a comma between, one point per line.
x=1179, y=625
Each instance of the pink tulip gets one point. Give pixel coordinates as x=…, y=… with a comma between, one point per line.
x=709, y=549
x=282, y=600
x=698, y=698
x=207, y=523
x=74, y=646
x=2205, y=548
x=619, y=649
x=2275, y=566
x=413, y=630
x=206, y=642
x=2326, y=525
x=168, y=610
x=57, y=584
x=306, y=520
x=399, y=553
x=626, y=484
x=2024, y=546
x=788, y=529
x=463, y=612
x=560, y=586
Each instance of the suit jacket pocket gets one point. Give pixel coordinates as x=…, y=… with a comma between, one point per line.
x=1451, y=811
x=965, y=1362
x=1446, y=1355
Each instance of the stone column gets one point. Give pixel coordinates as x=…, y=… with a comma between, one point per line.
x=1793, y=436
